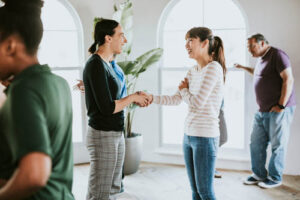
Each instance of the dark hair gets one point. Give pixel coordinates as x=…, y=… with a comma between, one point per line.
x=258, y=37
x=215, y=48
x=102, y=28
x=23, y=18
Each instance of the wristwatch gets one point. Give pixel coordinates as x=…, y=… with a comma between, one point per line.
x=280, y=106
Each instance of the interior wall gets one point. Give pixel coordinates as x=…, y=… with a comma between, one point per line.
x=276, y=19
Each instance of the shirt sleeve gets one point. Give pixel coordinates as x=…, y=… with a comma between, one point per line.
x=168, y=100
x=97, y=81
x=29, y=123
x=207, y=84
x=175, y=99
x=282, y=61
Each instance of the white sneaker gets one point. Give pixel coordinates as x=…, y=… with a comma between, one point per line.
x=269, y=184
x=252, y=180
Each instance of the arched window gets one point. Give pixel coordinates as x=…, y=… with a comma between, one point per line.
x=227, y=21
x=62, y=49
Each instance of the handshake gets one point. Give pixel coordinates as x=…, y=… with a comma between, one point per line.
x=139, y=98
x=142, y=99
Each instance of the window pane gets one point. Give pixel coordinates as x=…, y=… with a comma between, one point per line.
x=59, y=49
x=55, y=16
x=175, y=54
x=229, y=24
x=173, y=116
x=71, y=76
x=234, y=108
x=222, y=14
x=185, y=15
x=235, y=46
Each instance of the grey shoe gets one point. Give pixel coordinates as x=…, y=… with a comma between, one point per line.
x=266, y=184
x=251, y=181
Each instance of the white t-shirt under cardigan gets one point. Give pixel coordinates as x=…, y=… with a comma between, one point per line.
x=204, y=97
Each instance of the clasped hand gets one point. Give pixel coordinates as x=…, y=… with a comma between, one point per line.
x=143, y=99
x=184, y=84
x=276, y=109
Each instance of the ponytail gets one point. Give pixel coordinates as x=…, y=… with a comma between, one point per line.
x=218, y=53
x=102, y=28
x=93, y=48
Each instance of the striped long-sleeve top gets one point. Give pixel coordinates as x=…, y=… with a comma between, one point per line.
x=204, y=97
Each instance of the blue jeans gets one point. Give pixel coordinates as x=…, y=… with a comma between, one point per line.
x=273, y=128
x=200, y=155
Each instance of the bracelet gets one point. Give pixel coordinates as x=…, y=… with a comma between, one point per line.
x=280, y=106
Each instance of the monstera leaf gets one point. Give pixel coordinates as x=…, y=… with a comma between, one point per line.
x=123, y=13
x=128, y=66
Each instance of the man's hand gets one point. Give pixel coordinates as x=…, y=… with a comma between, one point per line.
x=236, y=65
x=184, y=84
x=276, y=109
x=248, y=69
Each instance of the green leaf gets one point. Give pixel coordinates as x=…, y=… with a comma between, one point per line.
x=146, y=60
x=132, y=69
x=132, y=107
x=117, y=15
x=127, y=66
x=127, y=15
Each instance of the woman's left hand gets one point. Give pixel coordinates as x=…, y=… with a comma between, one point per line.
x=184, y=84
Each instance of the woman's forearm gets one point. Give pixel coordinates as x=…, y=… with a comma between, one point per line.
x=122, y=103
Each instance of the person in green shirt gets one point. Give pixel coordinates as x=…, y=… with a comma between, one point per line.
x=36, y=159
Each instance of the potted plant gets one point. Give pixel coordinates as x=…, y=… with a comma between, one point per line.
x=133, y=141
x=132, y=70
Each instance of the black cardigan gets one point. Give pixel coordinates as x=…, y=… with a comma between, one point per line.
x=102, y=88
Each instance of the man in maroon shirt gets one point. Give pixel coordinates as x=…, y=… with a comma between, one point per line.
x=275, y=96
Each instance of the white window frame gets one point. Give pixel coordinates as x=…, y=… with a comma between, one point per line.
x=225, y=153
x=79, y=151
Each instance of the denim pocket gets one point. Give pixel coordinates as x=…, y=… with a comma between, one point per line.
x=214, y=145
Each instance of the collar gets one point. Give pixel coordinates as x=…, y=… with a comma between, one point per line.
x=37, y=68
x=266, y=52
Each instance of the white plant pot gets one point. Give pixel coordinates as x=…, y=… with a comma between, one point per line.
x=133, y=154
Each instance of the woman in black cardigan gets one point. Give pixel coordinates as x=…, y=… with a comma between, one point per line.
x=105, y=139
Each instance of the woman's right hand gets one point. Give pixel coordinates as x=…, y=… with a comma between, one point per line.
x=142, y=99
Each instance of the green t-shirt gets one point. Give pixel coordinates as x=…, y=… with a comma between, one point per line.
x=37, y=117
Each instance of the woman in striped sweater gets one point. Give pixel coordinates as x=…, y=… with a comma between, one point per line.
x=202, y=89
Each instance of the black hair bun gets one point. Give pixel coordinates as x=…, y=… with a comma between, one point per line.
x=24, y=6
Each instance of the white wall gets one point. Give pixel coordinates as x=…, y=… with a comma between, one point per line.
x=278, y=20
